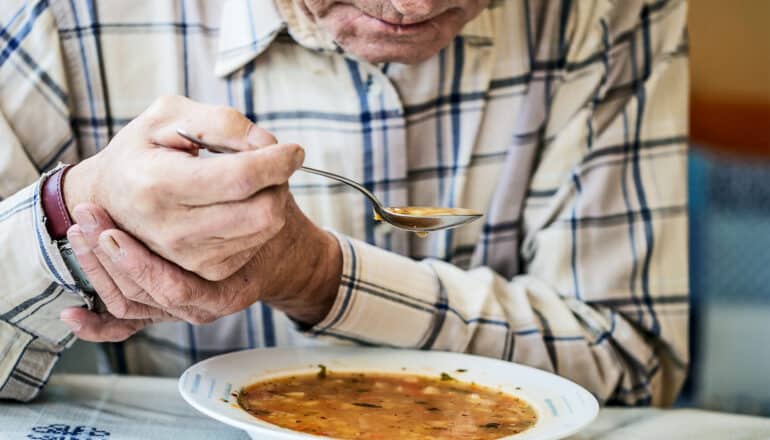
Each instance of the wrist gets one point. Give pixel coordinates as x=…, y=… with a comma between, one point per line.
x=320, y=290
x=313, y=268
x=79, y=185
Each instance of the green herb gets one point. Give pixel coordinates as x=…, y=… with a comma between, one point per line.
x=460, y=390
x=461, y=370
x=366, y=405
x=446, y=377
x=322, y=372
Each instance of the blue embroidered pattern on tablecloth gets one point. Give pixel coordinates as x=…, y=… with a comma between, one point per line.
x=66, y=432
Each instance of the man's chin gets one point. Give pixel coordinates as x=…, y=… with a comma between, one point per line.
x=392, y=52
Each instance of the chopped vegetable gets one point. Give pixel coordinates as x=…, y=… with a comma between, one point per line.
x=382, y=406
x=366, y=405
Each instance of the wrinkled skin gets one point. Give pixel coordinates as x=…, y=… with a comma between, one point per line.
x=202, y=268
x=404, y=31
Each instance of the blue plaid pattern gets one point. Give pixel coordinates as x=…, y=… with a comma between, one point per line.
x=565, y=122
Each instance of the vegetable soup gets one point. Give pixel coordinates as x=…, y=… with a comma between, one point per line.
x=386, y=406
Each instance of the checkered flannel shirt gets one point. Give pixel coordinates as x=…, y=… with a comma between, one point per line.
x=565, y=122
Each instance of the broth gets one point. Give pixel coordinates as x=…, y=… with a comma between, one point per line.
x=424, y=211
x=374, y=406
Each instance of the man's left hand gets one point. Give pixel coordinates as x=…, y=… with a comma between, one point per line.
x=297, y=272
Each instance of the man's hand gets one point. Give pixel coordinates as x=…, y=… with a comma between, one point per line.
x=207, y=214
x=298, y=271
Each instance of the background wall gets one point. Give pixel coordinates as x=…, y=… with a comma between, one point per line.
x=730, y=75
x=730, y=205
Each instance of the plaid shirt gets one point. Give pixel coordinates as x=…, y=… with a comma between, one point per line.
x=564, y=122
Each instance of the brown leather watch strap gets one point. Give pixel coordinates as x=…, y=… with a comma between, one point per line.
x=57, y=218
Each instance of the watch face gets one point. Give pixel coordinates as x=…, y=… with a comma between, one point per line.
x=86, y=290
x=81, y=280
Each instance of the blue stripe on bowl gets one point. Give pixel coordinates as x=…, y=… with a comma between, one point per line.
x=552, y=407
x=196, y=384
x=566, y=403
x=211, y=388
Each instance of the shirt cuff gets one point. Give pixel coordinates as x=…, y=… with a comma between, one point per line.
x=383, y=299
x=49, y=253
x=36, y=282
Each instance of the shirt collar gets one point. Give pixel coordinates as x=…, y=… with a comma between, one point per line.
x=248, y=27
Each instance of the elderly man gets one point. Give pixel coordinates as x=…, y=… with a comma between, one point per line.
x=564, y=122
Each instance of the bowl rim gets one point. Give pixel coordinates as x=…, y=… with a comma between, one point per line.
x=278, y=432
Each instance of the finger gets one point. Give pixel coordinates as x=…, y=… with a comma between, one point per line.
x=112, y=297
x=217, y=125
x=198, y=181
x=129, y=289
x=168, y=284
x=92, y=220
x=100, y=327
x=242, y=224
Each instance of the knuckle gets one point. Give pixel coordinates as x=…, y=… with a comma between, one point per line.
x=272, y=213
x=167, y=102
x=181, y=294
x=264, y=137
x=173, y=243
x=243, y=184
x=201, y=318
x=216, y=273
x=161, y=108
x=230, y=115
x=195, y=265
x=118, y=309
x=133, y=294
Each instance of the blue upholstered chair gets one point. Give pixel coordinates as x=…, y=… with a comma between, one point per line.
x=730, y=284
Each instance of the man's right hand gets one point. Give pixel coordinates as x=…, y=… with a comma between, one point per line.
x=207, y=214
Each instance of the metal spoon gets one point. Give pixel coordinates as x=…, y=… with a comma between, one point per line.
x=420, y=219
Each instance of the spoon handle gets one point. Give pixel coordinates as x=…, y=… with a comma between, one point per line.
x=346, y=181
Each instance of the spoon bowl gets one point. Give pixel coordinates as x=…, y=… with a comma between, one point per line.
x=419, y=219
x=427, y=219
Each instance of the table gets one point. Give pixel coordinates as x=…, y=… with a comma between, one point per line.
x=80, y=407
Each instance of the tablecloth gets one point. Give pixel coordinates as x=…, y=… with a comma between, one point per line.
x=90, y=407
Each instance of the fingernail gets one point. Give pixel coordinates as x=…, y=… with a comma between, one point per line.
x=85, y=219
x=111, y=247
x=78, y=243
x=73, y=325
x=251, y=133
x=299, y=157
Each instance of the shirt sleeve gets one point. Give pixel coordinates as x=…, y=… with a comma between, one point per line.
x=603, y=295
x=36, y=284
